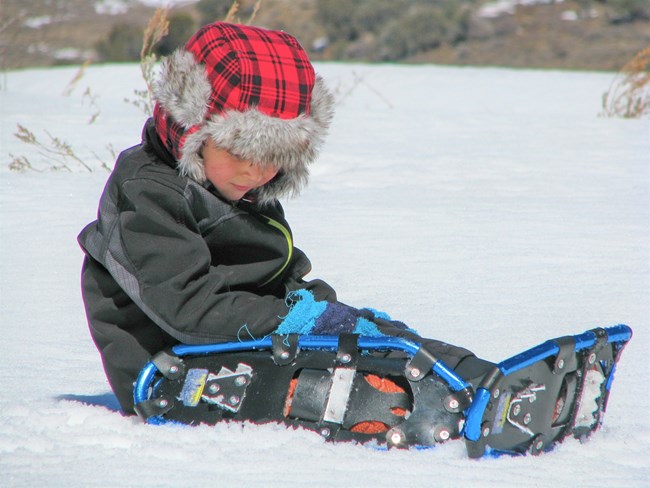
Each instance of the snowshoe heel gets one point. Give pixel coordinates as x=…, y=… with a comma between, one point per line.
x=533, y=400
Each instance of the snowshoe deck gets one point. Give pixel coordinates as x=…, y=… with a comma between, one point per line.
x=388, y=390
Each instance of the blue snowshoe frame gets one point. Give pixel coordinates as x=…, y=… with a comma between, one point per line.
x=478, y=399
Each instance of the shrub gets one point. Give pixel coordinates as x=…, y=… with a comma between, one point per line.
x=212, y=10
x=181, y=28
x=123, y=44
x=238, y=11
x=394, y=29
x=420, y=29
x=339, y=18
x=621, y=11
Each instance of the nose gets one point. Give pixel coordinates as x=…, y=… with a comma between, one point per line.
x=259, y=174
x=253, y=173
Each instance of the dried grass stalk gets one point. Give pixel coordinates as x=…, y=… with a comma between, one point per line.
x=629, y=93
x=156, y=29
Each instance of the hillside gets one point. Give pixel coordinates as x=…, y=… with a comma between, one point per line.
x=580, y=34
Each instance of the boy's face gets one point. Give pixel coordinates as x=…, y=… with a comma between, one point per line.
x=231, y=176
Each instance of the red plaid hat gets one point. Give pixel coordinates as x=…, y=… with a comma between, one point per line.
x=254, y=92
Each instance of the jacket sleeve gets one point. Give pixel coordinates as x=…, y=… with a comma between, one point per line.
x=160, y=259
x=301, y=266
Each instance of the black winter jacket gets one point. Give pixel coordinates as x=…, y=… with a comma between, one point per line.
x=168, y=261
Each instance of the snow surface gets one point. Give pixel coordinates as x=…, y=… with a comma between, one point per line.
x=490, y=208
x=501, y=7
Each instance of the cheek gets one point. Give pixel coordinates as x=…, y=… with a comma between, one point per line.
x=270, y=173
x=217, y=173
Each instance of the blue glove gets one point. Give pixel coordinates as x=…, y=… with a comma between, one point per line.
x=308, y=316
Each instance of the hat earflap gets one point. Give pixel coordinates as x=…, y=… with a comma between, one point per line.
x=183, y=89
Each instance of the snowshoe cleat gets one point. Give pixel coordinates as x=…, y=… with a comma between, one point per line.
x=388, y=391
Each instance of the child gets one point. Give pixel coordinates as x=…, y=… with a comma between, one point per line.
x=191, y=244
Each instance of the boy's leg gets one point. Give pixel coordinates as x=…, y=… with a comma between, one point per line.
x=112, y=320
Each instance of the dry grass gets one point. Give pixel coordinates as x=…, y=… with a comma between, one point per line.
x=59, y=154
x=629, y=94
x=156, y=29
x=231, y=16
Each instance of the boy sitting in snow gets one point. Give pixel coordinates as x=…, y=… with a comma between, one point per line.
x=191, y=244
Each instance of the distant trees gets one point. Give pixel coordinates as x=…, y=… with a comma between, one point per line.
x=212, y=10
x=619, y=11
x=124, y=41
x=390, y=30
x=377, y=30
x=181, y=28
x=628, y=10
x=421, y=28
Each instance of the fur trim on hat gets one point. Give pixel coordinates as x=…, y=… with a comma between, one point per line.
x=184, y=92
x=183, y=89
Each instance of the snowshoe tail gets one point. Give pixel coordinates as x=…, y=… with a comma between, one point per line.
x=388, y=390
x=533, y=400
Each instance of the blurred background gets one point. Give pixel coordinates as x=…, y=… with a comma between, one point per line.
x=551, y=34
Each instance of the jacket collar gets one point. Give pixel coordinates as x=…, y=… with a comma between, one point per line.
x=152, y=143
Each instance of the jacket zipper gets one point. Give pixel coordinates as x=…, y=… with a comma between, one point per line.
x=287, y=236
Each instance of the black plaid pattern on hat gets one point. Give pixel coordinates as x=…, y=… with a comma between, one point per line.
x=251, y=67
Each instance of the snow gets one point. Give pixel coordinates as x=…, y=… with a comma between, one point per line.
x=38, y=22
x=490, y=208
x=498, y=8
x=166, y=3
x=111, y=7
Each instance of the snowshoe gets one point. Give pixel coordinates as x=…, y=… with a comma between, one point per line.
x=344, y=387
x=389, y=391
x=533, y=400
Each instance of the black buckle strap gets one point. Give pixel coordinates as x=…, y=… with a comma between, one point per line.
x=347, y=353
x=154, y=407
x=566, y=360
x=284, y=348
x=169, y=364
x=421, y=364
x=323, y=396
x=310, y=395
